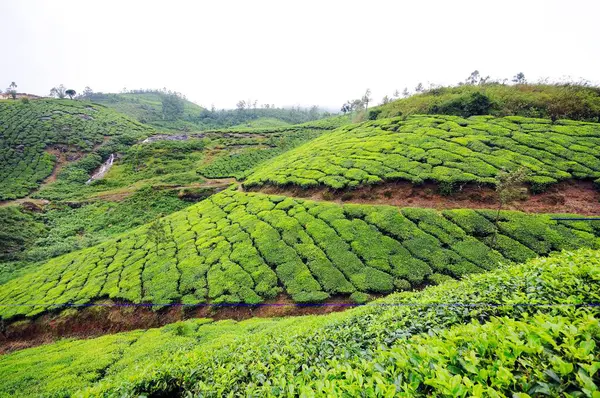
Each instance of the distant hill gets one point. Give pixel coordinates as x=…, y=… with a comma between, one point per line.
x=172, y=111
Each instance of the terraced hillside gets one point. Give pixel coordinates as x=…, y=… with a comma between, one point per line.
x=34, y=134
x=448, y=150
x=527, y=330
x=238, y=247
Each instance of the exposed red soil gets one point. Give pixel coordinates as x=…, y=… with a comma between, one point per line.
x=575, y=196
x=64, y=155
x=113, y=317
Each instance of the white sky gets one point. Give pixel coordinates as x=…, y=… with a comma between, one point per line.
x=290, y=52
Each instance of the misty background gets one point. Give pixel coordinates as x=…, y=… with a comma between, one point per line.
x=291, y=52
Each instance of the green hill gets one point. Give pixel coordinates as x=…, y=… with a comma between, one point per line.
x=550, y=101
x=172, y=111
x=520, y=331
x=147, y=107
x=237, y=247
x=443, y=149
x=35, y=133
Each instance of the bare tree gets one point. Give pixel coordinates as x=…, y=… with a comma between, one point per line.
x=58, y=92
x=405, y=92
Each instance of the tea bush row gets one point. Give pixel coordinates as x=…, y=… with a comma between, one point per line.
x=245, y=247
x=445, y=149
x=494, y=341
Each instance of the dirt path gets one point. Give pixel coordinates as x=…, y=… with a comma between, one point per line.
x=112, y=317
x=580, y=197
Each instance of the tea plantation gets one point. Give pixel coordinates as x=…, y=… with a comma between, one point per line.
x=525, y=330
x=445, y=149
x=238, y=247
x=28, y=129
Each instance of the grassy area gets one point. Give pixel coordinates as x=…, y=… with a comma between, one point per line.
x=412, y=344
x=237, y=247
x=445, y=149
x=81, y=131
x=530, y=100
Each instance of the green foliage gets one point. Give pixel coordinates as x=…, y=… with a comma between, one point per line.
x=28, y=131
x=529, y=100
x=499, y=343
x=19, y=231
x=171, y=111
x=264, y=144
x=243, y=247
x=449, y=150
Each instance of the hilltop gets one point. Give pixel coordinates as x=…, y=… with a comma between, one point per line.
x=549, y=101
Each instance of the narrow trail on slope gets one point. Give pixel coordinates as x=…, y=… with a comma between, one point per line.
x=574, y=196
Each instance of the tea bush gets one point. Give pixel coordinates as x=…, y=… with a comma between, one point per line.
x=247, y=247
x=524, y=330
x=448, y=150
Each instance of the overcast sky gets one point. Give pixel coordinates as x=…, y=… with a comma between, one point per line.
x=290, y=52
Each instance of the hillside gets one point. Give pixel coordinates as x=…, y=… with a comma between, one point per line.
x=447, y=150
x=237, y=247
x=172, y=111
x=37, y=137
x=549, y=101
x=511, y=331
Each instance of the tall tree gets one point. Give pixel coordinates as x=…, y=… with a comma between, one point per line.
x=405, y=92
x=12, y=90
x=87, y=92
x=473, y=78
x=419, y=88
x=366, y=98
x=519, y=78
x=71, y=93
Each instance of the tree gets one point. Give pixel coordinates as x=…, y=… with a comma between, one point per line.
x=58, y=92
x=405, y=92
x=87, y=92
x=519, y=78
x=419, y=88
x=508, y=189
x=241, y=105
x=366, y=98
x=386, y=100
x=396, y=93
x=347, y=107
x=473, y=78
x=156, y=233
x=12, y=90
x=71, y=93
x=172, y=106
